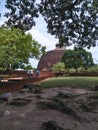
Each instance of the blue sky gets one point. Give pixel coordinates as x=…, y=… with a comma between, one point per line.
x=39, y=33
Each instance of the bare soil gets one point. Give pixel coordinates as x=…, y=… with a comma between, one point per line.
x=28, y=116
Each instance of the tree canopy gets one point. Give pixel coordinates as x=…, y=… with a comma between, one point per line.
x=77, y=58
x=72, y=21
x=17, y=47
x=21, y=13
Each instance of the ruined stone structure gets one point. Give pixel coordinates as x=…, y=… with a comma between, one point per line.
x=50, y=58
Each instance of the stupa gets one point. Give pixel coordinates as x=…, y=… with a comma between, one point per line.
x=50, y=58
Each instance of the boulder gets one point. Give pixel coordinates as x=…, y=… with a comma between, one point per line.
x=20, y=101
x=6, y=97
x=61, y=106
x=6, y=113
x=65, y=93
x=51, y=125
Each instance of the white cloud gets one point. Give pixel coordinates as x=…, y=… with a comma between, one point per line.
x=94, y=51
x=1, y=22
x=39, y=33
x=44, y=39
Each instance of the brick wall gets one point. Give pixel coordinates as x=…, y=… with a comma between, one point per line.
x=16, y=85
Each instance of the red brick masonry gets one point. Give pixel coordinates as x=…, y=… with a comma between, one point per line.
x=16, y=84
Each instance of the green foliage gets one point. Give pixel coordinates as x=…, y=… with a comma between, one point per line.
x=27, y=67
x=77, y=58
x=60, y=66
x=21, y=14
x=16, y=47
x=93, y=69
x=72, y=21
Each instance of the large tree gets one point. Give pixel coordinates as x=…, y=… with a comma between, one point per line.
x=77, y=58
x=17, y=47
x=21, y=13
x=72, y=21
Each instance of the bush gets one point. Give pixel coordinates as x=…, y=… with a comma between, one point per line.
x=59, y=67
x=93, y=69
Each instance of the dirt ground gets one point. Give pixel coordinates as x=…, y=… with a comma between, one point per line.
x=28, y=116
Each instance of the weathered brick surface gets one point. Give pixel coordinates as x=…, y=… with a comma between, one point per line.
x=18, y=84
x=50, y=58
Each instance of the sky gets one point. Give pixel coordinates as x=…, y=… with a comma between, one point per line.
x=39, y=33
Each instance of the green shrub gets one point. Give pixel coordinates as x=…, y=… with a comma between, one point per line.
x=93, y=69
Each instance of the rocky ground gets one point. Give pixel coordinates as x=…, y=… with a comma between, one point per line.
x=61, y=108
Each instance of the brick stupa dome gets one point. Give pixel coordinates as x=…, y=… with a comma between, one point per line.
x=50, y=58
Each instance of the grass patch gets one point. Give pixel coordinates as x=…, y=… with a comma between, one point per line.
x=78, y=82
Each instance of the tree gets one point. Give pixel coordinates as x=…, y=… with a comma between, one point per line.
x=21, y=14
x=72, y=21
x=60, y=66
x=77, y=58
x=16, y=47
